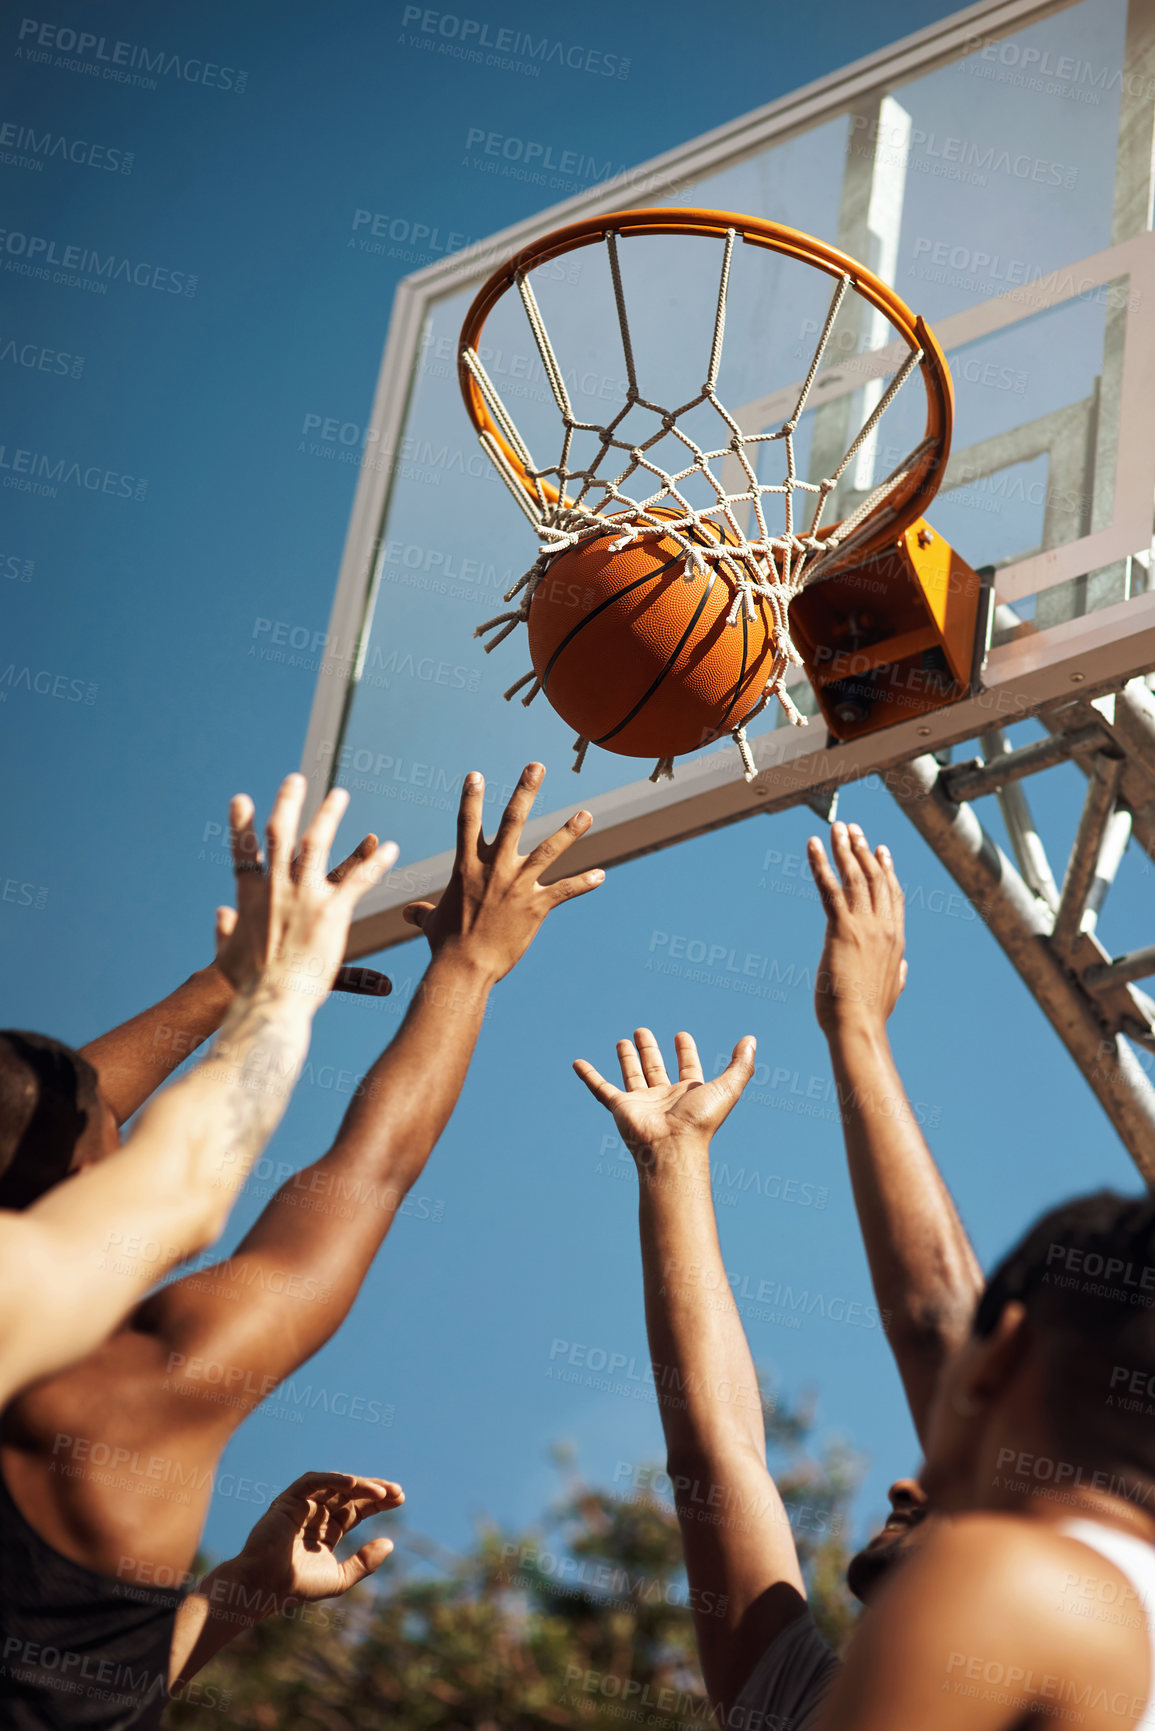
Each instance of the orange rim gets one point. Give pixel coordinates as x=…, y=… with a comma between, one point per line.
x=907, y=502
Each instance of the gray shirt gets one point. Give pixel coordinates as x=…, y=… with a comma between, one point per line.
x=788, y=1684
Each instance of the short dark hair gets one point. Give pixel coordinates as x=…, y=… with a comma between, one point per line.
x=49, y=1095
x=1085, y=1273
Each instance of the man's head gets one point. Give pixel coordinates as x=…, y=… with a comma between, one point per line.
x=1053, y=1382
x=1064, y=1331
x=53, y=1118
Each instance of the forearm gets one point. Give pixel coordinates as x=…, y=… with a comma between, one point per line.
x=135, y=1058
x=226, y=1602
x=408, y=1096
x=741, y=1562
x=925, y=1273
x=708, y=1393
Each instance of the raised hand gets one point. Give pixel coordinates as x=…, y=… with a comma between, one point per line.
x=862, y=971
x=651, y=1112
x=494, y=903
x=292, y=916
x=291, y=1552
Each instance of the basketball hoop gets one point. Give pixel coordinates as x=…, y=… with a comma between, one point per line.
x=766, y=561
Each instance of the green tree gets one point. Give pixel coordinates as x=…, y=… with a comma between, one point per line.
x=569, y=1626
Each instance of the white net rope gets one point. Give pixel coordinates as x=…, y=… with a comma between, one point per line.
x=759, y=561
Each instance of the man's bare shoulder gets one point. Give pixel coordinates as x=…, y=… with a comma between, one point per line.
x=1015, y=1606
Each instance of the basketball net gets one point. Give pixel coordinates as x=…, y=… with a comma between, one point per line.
x=567, y=503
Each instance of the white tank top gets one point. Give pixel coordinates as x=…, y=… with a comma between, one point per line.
x=1135, y=1560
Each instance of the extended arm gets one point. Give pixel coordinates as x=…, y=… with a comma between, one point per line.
x=133, y=1059
x=74, y=1264
x=745, y=1581
x=925, y=1273
x=305, y=1259
x=288, y=1559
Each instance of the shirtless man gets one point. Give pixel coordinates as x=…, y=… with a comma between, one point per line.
x=108, y=1468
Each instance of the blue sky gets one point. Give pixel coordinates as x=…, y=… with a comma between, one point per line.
x=130, y=597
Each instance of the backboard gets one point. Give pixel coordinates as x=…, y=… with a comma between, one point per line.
x=997, y=170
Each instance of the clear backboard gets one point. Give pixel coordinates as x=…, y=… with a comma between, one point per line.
x=997, y=171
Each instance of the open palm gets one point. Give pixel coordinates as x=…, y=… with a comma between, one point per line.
x=649, y=1109
x=292, y=1548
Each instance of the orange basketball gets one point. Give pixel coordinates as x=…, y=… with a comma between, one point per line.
x=640, y=660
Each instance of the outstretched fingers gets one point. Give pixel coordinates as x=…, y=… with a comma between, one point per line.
x=246, y=847
x=689, y=1063
x=368, y=871
x=567, y=888
x=631, y=1067
x=740, y=1068
x=829, y=888
x=556, y=844
x=855, y=888
x=872, y=872
x=469, y=816
x=313, y=860
x=363, y=850
x=604, y=1092
x=284, y=821
x=653, y=1065
x=894, y=888
x=514, y=816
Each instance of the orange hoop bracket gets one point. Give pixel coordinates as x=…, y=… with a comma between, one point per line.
x=909, y=499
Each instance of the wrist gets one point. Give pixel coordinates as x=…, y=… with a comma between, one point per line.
x=461, y=963
x=686, y=1155
x=293, y=999
x=237, y=1592
x=210, y=984
x=858, y=1030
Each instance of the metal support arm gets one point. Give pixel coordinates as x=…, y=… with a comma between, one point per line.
x=1089, y=1026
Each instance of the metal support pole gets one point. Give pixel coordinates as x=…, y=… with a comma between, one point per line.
x=1102, y=791
x=1022, y=925
x=1135, y=965
x=1115, y=838
x=971, y=779
x=1025, y=839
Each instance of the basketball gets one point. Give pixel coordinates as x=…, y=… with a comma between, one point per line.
x=637, y=657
